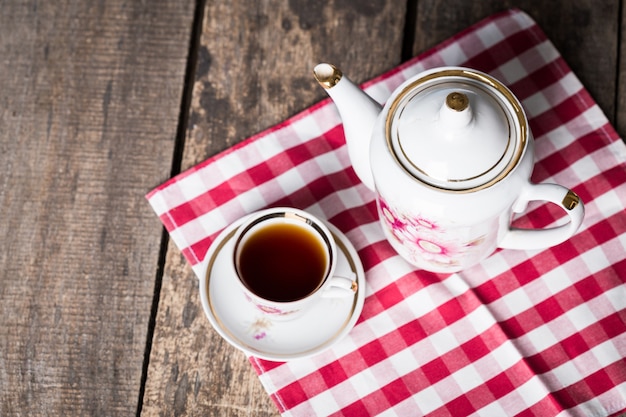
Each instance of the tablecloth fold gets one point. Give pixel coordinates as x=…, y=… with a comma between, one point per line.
x=523, y=333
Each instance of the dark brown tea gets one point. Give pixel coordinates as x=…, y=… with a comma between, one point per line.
x=282, y=262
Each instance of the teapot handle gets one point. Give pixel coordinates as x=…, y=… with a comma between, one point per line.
x=530, y=239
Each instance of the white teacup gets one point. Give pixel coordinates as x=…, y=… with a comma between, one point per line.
x=285, y=259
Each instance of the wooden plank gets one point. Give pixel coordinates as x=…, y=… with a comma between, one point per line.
x=255, y=62
x=584, y=31
x=254, y=70
x=89, y=103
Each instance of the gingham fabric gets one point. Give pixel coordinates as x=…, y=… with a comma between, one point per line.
x=537, y=333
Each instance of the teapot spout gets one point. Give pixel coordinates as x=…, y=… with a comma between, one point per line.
x=358, y=111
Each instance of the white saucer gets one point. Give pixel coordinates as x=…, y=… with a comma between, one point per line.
x=244, y=327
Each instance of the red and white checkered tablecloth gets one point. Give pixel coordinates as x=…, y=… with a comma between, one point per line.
x=539, y=333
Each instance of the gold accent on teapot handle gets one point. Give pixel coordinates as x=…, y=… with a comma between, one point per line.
x=571, y=200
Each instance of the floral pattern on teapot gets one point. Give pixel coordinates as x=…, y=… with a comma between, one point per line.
x=426, y=241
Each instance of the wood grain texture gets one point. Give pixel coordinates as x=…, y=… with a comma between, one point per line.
x=584, y=31
x=89, y=103
x=255, y=62
x=254, y=70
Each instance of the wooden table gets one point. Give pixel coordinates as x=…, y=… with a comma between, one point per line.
x=102, y=101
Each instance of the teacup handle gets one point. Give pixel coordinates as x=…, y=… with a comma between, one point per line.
x=530, y=239
x=341, y=287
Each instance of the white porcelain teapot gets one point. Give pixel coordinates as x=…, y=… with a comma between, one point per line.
x=450, y=157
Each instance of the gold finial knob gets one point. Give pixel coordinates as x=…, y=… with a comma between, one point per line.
x=457, y=101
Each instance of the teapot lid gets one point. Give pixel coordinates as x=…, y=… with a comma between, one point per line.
x=456, y=129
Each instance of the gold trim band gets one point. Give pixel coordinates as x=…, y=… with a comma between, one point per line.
x=447, y=75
